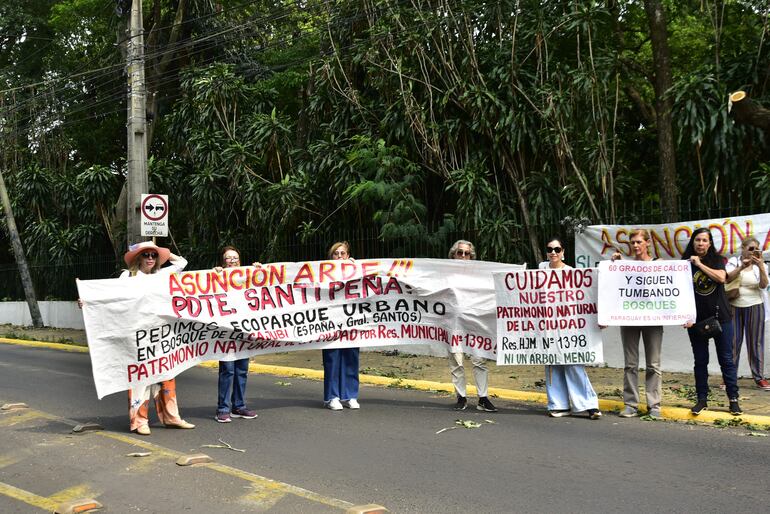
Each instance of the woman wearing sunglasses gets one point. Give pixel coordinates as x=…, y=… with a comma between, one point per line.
x=340, y=364
x=232, y=374
x=569, y=384
x=749, y=307
x=708, y=278
x=145, y=259
x=652, y=336
x=464, y=250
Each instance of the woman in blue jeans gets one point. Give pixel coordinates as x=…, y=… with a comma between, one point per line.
x=232, y=374
x=708, y=277
x=340, y=364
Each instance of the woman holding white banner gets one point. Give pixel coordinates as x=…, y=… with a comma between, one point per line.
x=652, y=338
x=340, y=364
x=464, y=250
x=708, y=276
x=232, y=374
x=749, y=304
x=144, y=259
x=567, y=384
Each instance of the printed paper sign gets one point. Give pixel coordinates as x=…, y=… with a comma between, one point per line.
x=547, y=317
x=645, y=293
x=145, y=329
x=598, y=242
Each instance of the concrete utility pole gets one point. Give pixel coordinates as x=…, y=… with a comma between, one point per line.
x=21, y=260
x=137, y=182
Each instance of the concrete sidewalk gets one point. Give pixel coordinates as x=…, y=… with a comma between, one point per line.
x=519, y=383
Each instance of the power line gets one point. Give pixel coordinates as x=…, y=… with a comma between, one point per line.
x=118, y=93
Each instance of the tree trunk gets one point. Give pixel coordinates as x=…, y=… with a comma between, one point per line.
x=744, y=110
x=21, y=260
x=661, y=58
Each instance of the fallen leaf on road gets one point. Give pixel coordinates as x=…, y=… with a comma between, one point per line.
x=757, y=434
x=467, y=423
x=282, y=383
x=445, y=429
x=139, y=454
x=491, y=422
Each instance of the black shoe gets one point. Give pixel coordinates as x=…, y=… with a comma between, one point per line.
x=485, y=404
x=594, y=413
x=462, y=402
x=700, y=407
x=735, y=409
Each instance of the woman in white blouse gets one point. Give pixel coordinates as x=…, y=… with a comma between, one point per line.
x=749, y=307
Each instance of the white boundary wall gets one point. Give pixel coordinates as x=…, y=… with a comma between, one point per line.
x=55, y=314
x=677, y=354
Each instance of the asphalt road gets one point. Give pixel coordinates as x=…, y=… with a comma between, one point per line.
x=302, y=458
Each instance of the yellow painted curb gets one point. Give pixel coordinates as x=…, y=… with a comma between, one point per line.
x=42, y=344
x=677, y=413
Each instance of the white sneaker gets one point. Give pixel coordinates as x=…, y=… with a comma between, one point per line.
x=352, y=404
x=334, y=404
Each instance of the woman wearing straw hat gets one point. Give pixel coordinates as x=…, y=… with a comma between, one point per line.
x=145, y=259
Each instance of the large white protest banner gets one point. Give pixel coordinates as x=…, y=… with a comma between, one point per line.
x=633, y=293
x=598, y=242
x=547, y=317
x=145, y=329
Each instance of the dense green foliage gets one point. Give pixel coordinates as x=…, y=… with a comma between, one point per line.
x=278, y=123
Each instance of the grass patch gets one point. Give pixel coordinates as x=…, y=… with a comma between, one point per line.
x=399, y=384
x=380, y=373
x=726, y=423
x=757, y=428
x=687, y=392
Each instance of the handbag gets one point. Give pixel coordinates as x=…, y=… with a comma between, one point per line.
x=709, y=327
x=733, y=288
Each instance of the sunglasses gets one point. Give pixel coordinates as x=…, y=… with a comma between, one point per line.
x=341, y=253
x=553, y=249
x=462, y=253
x=150, y=255
x=231, y=259
x=752, y=249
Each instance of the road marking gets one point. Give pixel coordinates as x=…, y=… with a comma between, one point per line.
x=276, y=486
x=8, y=460
x=27, y=497
x=73, y=493
x=265, y=488
x=262, y=498
x=46, y=503
x=265, y=491
x=12, y=418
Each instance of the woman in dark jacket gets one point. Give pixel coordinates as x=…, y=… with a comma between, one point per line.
x=708, y=277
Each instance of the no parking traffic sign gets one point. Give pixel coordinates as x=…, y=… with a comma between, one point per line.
x=155, y=215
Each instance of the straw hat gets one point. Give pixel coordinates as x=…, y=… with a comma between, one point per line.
x=146, y=246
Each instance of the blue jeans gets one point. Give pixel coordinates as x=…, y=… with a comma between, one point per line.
x=227, y=370
x=700, y=352
x=340, y=374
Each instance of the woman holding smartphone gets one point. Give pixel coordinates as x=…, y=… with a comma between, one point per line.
x=749, y=307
